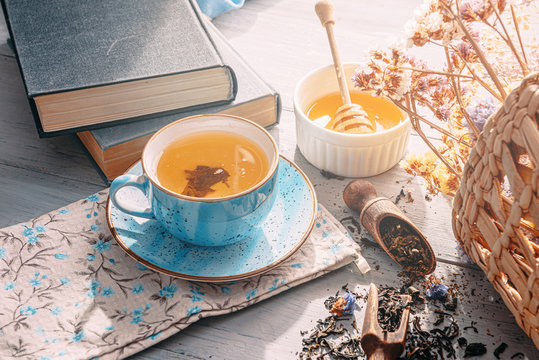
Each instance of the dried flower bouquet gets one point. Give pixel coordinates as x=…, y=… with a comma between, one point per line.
x=489, y=46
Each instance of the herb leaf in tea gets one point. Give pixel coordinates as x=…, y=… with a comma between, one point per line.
x=202, y=179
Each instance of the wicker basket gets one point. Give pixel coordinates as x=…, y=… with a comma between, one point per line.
x=496, y=207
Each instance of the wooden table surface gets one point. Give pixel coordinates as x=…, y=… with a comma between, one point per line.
x=282, y=40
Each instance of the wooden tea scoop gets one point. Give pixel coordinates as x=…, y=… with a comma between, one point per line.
x=380, y=216
x=377, y=343
x=350, y=118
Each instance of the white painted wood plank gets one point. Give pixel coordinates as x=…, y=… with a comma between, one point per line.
x=26, y=194
x=20, y=145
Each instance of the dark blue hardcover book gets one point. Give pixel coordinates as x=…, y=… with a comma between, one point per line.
x=86, y=64
x=116, y=148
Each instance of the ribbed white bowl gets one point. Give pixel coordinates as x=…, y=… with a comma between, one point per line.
x=350, y=155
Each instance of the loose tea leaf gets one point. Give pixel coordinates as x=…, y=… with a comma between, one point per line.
x=463, y=342
x=405, y=245
x=499, y=350
x=390, y=307
x=475, y=349
x=330, y=337
x=202, y=179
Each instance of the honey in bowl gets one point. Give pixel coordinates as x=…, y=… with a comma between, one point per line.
x=384, y=113
x=211, y=164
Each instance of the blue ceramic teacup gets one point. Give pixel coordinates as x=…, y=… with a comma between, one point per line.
x=202, y=221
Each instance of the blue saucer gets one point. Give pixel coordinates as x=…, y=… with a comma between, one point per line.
x=282, y=233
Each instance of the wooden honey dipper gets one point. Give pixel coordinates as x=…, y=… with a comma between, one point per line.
x=350, y=118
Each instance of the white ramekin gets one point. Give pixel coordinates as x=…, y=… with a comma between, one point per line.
x=350, y=155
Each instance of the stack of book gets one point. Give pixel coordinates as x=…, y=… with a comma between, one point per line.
x=115, y=71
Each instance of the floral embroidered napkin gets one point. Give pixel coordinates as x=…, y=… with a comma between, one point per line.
x=69, y=292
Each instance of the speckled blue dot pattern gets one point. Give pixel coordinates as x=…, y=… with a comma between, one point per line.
x=279, y=236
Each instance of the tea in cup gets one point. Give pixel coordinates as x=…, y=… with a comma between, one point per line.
x=210, y=179
x=211, y=164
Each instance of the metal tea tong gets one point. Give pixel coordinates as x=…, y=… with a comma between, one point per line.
x=377, y=343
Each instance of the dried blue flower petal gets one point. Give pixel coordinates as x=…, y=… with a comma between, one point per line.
x=344, y=305
x=437, y=291
x=350, y=303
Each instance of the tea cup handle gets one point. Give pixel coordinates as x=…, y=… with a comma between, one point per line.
x=139, y=182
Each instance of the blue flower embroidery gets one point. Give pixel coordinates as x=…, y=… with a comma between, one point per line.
x=136, y=319
x=297, y=265
x=2, y=253
x=110, y=327
x=168, y=291
x=94, y=284
x=155, y=336
x=35, y=282
x=28, y=232
x=276, y=284
x=137, y=289
x=225, y=290
x=9, y=285
x=44, y=358
x=28, y=310
x=95, y=227
x=93, y=198
x=60, y=256
x=90, y=257
x=33, y=239
x=112, y=261
x=193, y=310
x=64, y=280
x=56, y=311
x=138, y=311
x=78, y=336
x=107, y=291
x=102, y=246
x=251, y=294
x=197, y=294
x=94, y=289
x=335, y=248
x=64, y=211
x=40, y=229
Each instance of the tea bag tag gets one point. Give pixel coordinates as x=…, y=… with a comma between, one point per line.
x=362, y=264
